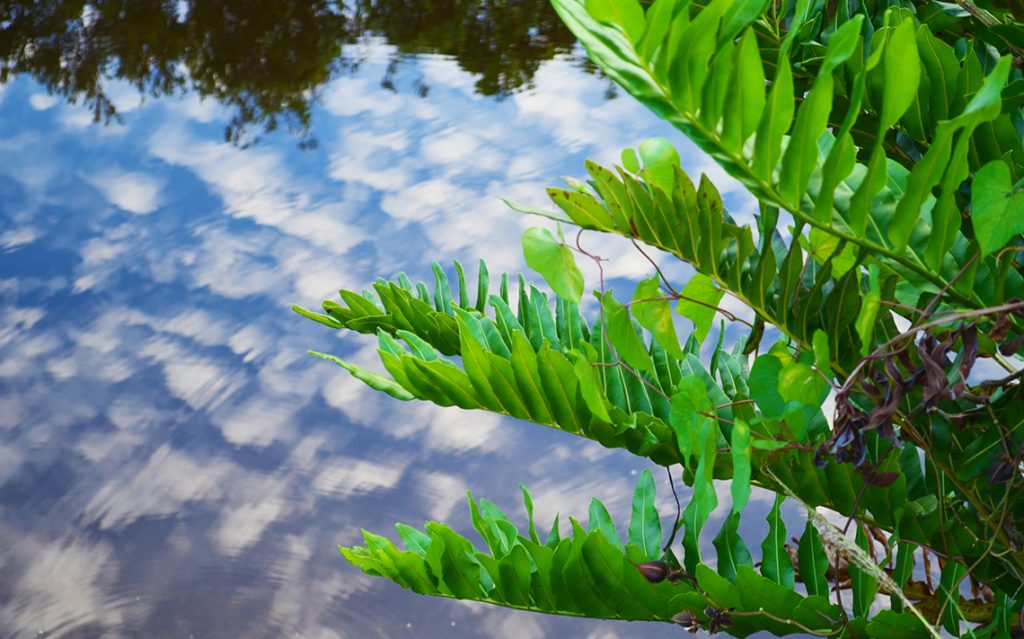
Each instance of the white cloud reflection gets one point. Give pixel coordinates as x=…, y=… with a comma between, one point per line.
x=257, y=422
x=163, y=380
x=66, y=581
x=167, y=481
x=132, y=191
x=201, y=382
x=343, y=478
x=42, y=101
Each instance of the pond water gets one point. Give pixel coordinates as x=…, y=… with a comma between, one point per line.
x=172, y=462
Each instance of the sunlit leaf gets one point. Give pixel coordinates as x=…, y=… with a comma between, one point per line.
x=869, y=307
x=823, y=247
x=799, y=382
x=698, y=303
x=822, y=357
x=625, y=13
x=691, y=408
x=659, y=158
x=652, y=309
x=554, y=261
x=902, y=68
x=630, y=160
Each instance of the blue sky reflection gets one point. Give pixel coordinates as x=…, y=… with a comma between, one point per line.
x=172, y=462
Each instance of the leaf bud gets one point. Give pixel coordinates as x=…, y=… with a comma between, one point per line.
x=653, y=571
x=687, y=620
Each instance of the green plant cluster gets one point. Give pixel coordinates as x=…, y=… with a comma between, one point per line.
x=888, y=134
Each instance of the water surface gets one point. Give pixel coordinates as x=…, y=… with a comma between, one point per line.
x=172, y=462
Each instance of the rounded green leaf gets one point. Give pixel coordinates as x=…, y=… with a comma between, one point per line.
x=799, y=382
x=554, y=261
x=690, y=409
x=698, y=301
x=660, y=158
x=996, y=212
x=630, y=161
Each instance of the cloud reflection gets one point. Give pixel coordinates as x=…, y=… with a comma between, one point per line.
x=162, y=430
x=64, y=585
x=132, y=191
x=160, y=487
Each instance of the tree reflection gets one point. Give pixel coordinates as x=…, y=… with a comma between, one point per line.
x=264, y=59
x=502, y=42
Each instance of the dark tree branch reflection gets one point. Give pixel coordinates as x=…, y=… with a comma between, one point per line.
x=501, y=42
x=263, y=59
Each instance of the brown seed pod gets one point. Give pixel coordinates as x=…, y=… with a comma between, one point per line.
x=654, y=571
x=687, y=620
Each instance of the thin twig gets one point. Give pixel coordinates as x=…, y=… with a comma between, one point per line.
x=664, y=280
x=904, y=307
x=738, y=402
x=604, y=327
x=729, y=315
x=679, y=511
x=856, y=504
x=998, y=383
x=942, y=291
x=955, y=589
x=790, y=622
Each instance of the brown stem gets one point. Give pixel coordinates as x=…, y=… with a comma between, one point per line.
x=664, y=280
